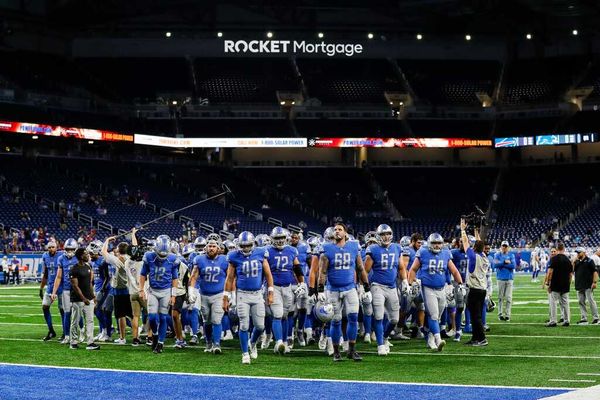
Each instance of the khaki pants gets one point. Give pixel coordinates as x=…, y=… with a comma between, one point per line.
x=137, y=305
x=563, y=300
x=587, y=295
x=78, y=310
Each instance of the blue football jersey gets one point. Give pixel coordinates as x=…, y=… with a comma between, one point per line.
x=409, y=252
x=51, y=264
x=303, y=257
x=281, y=263
x=161, y=272
x=342, y=265
x=212, y=273
x=461, y=261
x=249, y=269
x=385, y=264
x=65, y=264
x=99, y=270
x=434, y=267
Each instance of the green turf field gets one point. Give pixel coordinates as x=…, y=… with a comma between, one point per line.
x=521, y=353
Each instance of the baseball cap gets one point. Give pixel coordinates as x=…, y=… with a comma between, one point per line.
x=579, y=250
x=504, y=243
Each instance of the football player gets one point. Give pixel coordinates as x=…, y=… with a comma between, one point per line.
x=180, y=295
x=210, y=269
x=418, y=311
x=49, y=272
x=301, y=301
x=383, y=259
x=247, y=267
x=65, y=262
x=367, y=309
x=460, y=260
x=535, y=264
x=338, y=264
x=286, y=270
x=161, y=269
x=99, y=269
x=431, y=265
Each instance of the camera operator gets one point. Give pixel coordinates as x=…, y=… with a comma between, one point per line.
x=477, y=281
x=505, y=264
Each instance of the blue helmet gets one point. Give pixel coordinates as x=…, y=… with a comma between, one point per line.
x=262, y=240
x=174, y=247
x=324, y=311
x=313, y=243
x=279, y=236
x=435, y=242
x=199, y=244
x=229, y=245
x=246, y=242
x=187, y=250
x=70, y=247
x=214, y=237
x=385, y=235
x=163, y=246
x=405, y=241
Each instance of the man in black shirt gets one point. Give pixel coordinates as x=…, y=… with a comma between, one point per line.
x=559, y=276
x=586, y=277
x=82, y=299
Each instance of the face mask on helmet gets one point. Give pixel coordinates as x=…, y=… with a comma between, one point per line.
x=279, y=242
x=162, y=249
x=246, y=248
x=435, y=243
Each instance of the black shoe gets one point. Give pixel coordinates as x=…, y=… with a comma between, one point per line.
x=74, y=346
x=170, y=335
x=62, y=337
x=50, y=335
x=561, y=321
x=551, y=325
x=92, y=346
x=353, y=355
x=154, y=342
x=487, y=328
x=149, y=342
x=482, y=343
x=595, y=322
x=507, y=319
x=444, y=335
x=159, y=348
x=470, y=342
x=337, y=357
x=136, y=342
x=566, y=323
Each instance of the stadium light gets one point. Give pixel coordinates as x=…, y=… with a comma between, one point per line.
x=269, y=34
x=219, y=34
x=34, y=137
x=528, y=36
x=282, y=103
x=370, y=35
x=168, y=34
x=575, y=32
x=401, y=103
x=90, y=142
x=419, y=36
x=467, y=37
x=320, y=35
x=174, y=102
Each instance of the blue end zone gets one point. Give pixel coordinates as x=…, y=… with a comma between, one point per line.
x=46, y=383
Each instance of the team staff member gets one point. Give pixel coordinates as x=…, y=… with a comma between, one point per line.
x=122, y=302
x=133, y=269
x=477, y=281
x=586, y=278
x=82, y=299
x=560, y=272
x=504, y=262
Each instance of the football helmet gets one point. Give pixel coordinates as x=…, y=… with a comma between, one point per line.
x=246, y=242
x=94, y=247
x=70, y=246
x=174, y=247
x=329, y=235
x=163, y=246
x=324, y=311
x=435, y=242
x=279, y=236
x=199, y=244
x=187, y=250
x=405, y=241
x=385, y=235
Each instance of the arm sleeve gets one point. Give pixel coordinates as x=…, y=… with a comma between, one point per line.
x=513, y=262
x=472, y=259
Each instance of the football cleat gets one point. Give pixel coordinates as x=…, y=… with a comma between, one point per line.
x=92, y=346
x=253, y=351
x=120, y=341
x=217, y=349
x=279, y=347
x=440, y=345
x=49, y=336
x=159, y=348
x=245, y=358
x=228, y=336
x=301, y=341
x=136, y=342
x=457, y=336
x=194, y=340
x=330, y=350
x=266, y=342
x=337, y=357
x=73, y=346
x=382, y=350
x=353, y=355
x=66, y=340
x=208, y=348
x=367, y=338
x=431, y=342
x=290, y=343
x=323, y=342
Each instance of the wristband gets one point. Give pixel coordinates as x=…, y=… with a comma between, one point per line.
x=366, y=286
x=227, y=295
x=321, y=288
x=173, y=291
x=270, y=289
x=312, y=291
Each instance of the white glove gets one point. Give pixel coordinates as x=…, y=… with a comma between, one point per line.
x=312, y=300
x=321, y=297
x=191, y=294
x=301, y=290
x=367, y=298
x=462, y=289
x=404, y=287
